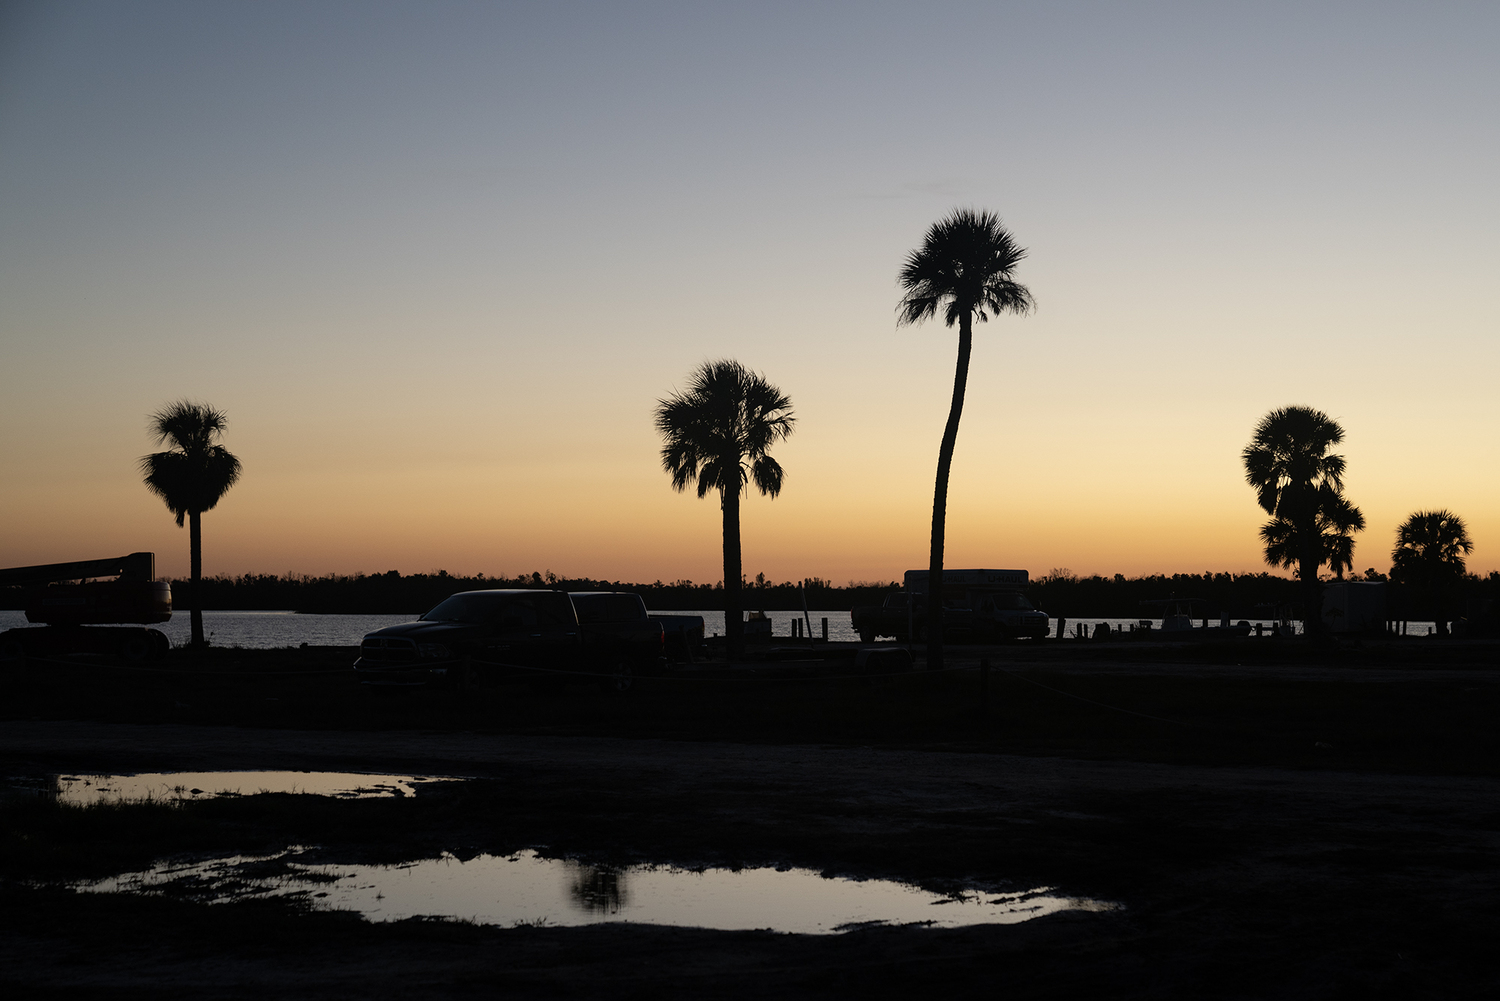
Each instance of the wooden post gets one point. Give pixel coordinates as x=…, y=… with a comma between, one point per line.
x=825, y=629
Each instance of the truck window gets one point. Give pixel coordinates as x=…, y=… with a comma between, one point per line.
x=473, y=608
x=594, y=608
x=1011, y=601
x=508, y=611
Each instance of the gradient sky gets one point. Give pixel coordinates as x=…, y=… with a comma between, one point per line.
x=438, y=261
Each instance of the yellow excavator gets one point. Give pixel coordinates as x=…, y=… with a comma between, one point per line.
x=76, y=613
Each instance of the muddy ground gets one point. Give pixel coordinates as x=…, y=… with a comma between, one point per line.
x=1273, y=823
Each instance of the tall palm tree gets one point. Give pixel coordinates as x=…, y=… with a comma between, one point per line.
x=963, y=270
x=1300, y=483
x=190, y=477
x=718, y=435
x=1429, y=556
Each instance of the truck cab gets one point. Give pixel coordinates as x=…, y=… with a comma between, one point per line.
x=984, y=604
x=978, y=605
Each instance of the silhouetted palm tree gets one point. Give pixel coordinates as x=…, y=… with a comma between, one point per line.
x=191, y=476
x=1300, y=483
x=962, y=270
x=1429, y=557
x=718, y=434
x=1336, y=521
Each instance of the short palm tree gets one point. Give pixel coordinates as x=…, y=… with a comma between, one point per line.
x=963, y=270
x=190, y=477
x=1300, y=483
x=718, y=434
x=1429, y=557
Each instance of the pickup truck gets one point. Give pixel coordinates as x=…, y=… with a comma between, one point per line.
x=617, y=630
x=978, y=605
x=478, y=636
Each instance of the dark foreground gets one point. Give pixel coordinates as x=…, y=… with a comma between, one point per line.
x=1314, y=826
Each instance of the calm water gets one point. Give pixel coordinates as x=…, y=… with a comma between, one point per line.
x=839, y=627
x=528, y=889
x=263, y=630
x=83, y=790
x=266, y=630
x=269, y=630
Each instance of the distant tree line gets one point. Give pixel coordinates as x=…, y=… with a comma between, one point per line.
x=1245, y=596
x=396, y=593
x=1059, y=593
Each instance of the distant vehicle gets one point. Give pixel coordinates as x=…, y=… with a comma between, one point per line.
x=475, y=637
x=85, y=617
x=978, y=605
x=617, y=630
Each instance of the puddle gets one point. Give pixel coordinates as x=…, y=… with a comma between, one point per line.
x=527, y=889
x=83, y=790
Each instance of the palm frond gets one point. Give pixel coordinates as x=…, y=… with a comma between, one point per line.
x=716, y=431
x=965, y=266
x=195, y=473
x=1288, y=460
x=768, y=475
x=1430, y=549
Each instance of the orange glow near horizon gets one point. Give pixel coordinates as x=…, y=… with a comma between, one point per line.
x=618, y=521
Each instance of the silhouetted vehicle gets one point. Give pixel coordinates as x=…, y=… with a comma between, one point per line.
x=482, y=636
x=73, y=617
x=682, y=637
x=617, y=630
x=980, y=605
x=896, y=617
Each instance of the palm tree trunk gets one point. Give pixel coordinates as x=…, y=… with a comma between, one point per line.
x=734, y=624
x=940, y=497
x=195, y=604
x=1312, y=589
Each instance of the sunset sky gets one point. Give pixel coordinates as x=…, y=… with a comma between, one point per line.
x=438, y=261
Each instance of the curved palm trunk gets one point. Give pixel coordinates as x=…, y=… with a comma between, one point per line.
x=195, y=605
x=734, y=624
x=940, y=498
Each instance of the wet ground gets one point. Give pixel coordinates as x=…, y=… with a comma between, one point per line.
x=1367, y=868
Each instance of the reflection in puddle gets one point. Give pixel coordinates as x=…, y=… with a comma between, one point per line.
x=599, y=890
x=83, y=790
x=526, y=889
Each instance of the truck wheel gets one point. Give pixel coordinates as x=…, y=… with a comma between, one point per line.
x=137, y=649
x=867, y=636
x=463, y=678
x=620, y=679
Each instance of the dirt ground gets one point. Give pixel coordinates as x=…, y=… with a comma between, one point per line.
x=1264, y=867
